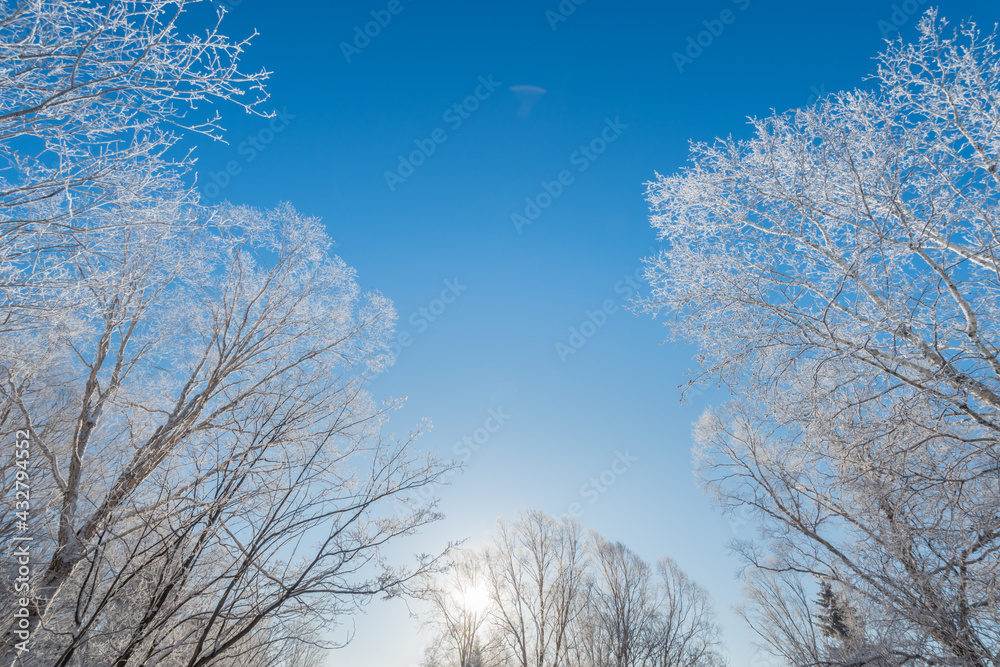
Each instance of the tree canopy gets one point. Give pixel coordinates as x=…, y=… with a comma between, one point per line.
x=839, y=273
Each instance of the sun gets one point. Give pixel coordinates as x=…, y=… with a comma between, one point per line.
x=473, y=599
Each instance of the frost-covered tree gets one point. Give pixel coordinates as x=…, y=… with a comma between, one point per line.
x=638, y=615
x=206, y=455
x=94, y=99
x=210, y=480
x=826, y=629
x=837, y=619
x=839, y=271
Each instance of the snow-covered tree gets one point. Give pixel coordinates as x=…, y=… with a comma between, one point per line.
x=210, y=480
x=94, y=100
x=839, y=272
x=206, y=454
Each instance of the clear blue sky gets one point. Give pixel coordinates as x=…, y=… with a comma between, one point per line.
x=612, y=82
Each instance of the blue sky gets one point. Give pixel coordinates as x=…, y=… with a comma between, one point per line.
x=488, y=305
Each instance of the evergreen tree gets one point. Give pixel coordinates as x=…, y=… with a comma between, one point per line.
x=835, y=617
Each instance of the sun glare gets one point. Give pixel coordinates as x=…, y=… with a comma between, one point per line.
x=474, y=599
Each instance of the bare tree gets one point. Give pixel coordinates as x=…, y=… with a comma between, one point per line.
x=621, y=606
x=557, y=599
x=460, y=612
x=684, y=631
x=899, y=519
x=535, y=568
x=835, y=629
x=839, y=272
x=777, y=605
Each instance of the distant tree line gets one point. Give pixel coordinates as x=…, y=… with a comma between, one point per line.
x=541, y=593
